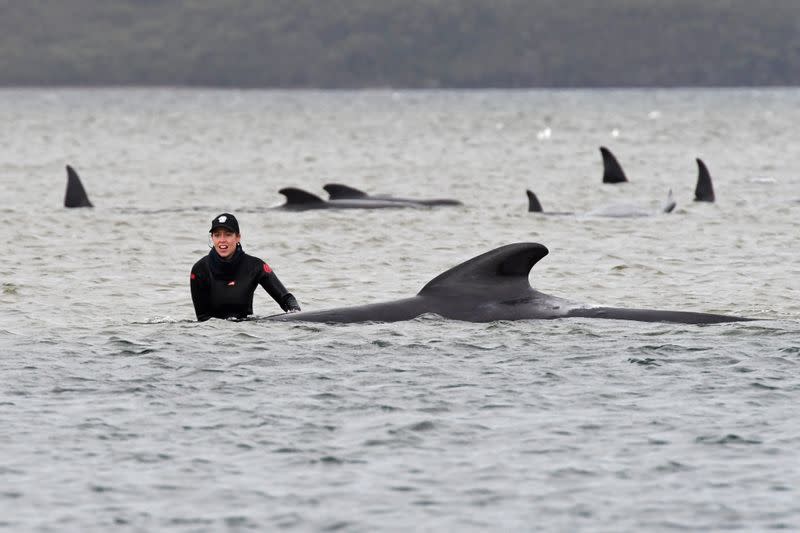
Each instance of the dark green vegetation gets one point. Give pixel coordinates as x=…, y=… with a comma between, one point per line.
x=400, y=43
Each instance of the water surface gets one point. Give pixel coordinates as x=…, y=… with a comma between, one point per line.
x=120, y=412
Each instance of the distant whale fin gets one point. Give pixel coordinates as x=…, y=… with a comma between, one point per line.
x=669, y=204
x=76, y=194
x=507, y=266
x=612, y=171
x=533, y=202
x=337, y=191
x=704, y=192
x=299, y=196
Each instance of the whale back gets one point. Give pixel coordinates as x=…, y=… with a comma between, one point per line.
x=704, y=191
x=337, y=191
x=76, y=195
x=493, y=286
x=499, y=272
x=612, y=170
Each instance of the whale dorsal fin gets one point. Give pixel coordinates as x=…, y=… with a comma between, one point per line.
x=337, y=191
x=669, y=204
x=612, y=171
x=508, y=266
x=76, y=194
x=533, y=202
x=704, y=192
x=295, y=196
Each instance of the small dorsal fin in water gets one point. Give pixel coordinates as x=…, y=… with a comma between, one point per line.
x=533, y=202
x=669, y=204
x=507, y=266
x=704, y=191
x=76, y=194
x=295, y=196
x=612, y=171
x=337, y=191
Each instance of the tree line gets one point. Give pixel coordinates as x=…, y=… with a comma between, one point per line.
x=400, y=43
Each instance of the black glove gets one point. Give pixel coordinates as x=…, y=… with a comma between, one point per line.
x=290, y=304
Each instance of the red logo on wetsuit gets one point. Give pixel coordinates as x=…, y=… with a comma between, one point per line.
x=231, y=283
x=193, y=276
x=267, y=269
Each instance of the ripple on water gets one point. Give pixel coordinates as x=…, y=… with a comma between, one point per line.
x=725, y=440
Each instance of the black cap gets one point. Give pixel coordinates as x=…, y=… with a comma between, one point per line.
x=225, y=220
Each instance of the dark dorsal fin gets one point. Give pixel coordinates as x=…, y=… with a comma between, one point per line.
x=669, y=205
x=76, y=194
x=533, y=203
x=612, y=171
x=296, y=196
x=508, y=266
x=337, y=191
x=704, y=192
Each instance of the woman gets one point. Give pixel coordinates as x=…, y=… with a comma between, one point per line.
x=223, y=282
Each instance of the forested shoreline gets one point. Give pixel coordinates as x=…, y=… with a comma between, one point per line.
x=400, y=43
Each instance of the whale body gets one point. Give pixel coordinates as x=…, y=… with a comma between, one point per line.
x=493, y=286
x=612, y=211
x=338, y=191
x=300, y=200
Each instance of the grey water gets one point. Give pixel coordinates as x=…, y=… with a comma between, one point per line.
x=120, y=412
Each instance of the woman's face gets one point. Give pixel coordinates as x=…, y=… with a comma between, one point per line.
x=225, y=241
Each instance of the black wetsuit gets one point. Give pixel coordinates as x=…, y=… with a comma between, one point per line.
x=224, y=289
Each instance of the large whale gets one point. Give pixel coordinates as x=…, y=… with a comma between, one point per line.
x=613, y=211
x=612, y=170
x=338, y=191
x=493, y=286
x=76, y=195
x=300, y=200
x=704, y=190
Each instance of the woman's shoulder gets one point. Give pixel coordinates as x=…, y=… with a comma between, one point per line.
x=253, y=258
x=201, y=263
x=254, y=262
